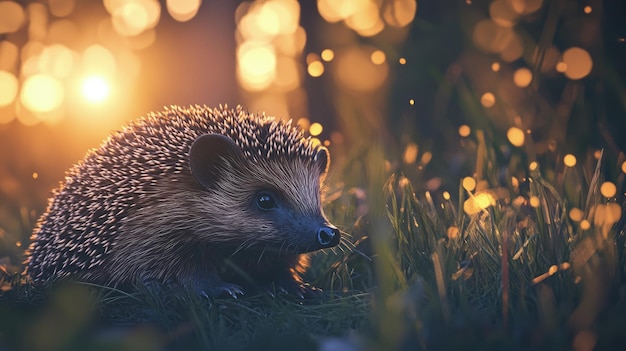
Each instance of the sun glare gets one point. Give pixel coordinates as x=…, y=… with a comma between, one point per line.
x=95, y=89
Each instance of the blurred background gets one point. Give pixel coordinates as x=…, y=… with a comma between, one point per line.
x=429, y=80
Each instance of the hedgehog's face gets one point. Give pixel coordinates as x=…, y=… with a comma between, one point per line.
x=273, y=205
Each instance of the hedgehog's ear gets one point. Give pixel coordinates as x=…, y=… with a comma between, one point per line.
x=208, y=156
x=322, y=159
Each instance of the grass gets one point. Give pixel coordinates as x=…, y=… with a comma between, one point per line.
x=539, y=265
x=522, y=272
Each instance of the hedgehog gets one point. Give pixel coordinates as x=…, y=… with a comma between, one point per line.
x=217, y=200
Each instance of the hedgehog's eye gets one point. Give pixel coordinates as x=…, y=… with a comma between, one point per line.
x=265, y=201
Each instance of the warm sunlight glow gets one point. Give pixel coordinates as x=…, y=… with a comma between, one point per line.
x=97, y=58
x=356, y=71
x=95, y=89
x=42, y=93
x=257, y=65
x=9, y=85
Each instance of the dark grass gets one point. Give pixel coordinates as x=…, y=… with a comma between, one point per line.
x=513, y=276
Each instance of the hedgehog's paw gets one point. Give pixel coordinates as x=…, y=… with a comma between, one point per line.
x=294, y=288
x=211, y=285
x=232, y=290
x=222, y=290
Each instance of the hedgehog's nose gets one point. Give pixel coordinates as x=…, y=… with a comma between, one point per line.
x=328, y=236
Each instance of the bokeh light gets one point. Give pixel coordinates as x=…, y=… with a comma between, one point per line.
x=534, y=201
x=10, y=86
x=488, y=100
x=270, y=42
x=516, y=136
x=522, y=77
x=578, y=63
x=569, y=160
x=469, y=183
x=585, y=224
x=478, y=203
x=399, y=13
x=526, y=7
x=378, y=57
x=365, y=19
x=608, y=189
x=491, y=37
x=315, y=69
x=503, y=13
x=452, y=232
x=576, y=214
x=464, y=130
x=327, y=55
x=257, y=65
x=410, y=153
x=57, y=60
x=316, y=129
x=61, y=8
x=42, y=93
x=12, y=17
x=183, y=10
x=364, y=16
x=132, y=17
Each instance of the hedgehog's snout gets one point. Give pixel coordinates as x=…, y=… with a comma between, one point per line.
x=328, y=236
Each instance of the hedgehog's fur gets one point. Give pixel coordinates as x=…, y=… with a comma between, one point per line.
x=147, y=205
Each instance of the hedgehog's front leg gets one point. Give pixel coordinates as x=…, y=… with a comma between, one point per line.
x=211, y=285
